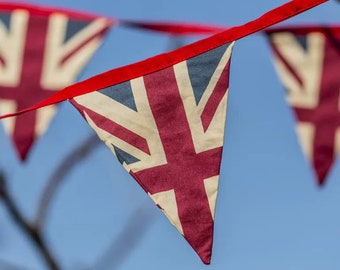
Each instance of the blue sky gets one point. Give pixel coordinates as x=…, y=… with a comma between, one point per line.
x=270, y=214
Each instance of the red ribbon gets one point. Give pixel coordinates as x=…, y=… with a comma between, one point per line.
x=174, y=28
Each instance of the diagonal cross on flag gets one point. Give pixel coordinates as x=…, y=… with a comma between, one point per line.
x=186, y=171
x=42, y=51
x=27, y=89
x=184, y=110
x=308, y=61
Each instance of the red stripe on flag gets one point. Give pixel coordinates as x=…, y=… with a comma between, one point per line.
x=288, y=66
x=220, y=90
x=325, y=117
x=84, y=43
x=186, y=177
x=114, y=128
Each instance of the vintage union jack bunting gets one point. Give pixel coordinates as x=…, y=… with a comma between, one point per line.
x=167, y=128
x=307, y=60
x=42, y=50
x=164, y=118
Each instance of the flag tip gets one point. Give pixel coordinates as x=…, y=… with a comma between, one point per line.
x=206, y=260
x=321, y=178
x=321, y=183
x=205, y=256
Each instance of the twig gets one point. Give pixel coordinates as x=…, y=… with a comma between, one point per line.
x=33, y=233
x=83, y=150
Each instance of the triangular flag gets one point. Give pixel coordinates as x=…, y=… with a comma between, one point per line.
x=308, y=60
x=167, y=130
x=42, y=50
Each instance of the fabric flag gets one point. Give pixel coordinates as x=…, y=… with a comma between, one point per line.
x=164, y=117
x=42, y=50
x=307, y=60
x=166, y=128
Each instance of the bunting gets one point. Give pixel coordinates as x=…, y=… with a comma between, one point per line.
x=41, y=51
x=163, y=118
x=307, y=60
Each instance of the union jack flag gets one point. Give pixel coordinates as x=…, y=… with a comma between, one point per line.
x=308, y=61
x=41, y=51
x=167, y=128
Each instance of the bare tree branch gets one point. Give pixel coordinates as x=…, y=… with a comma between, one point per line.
x=120, y=247
x=81, y=152
x=33, y=233
x=2, y=184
